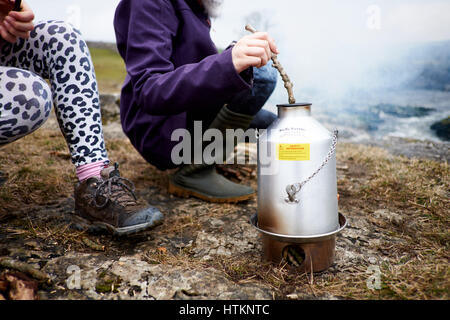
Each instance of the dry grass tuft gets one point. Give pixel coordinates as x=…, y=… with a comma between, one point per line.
x=38, y=172
x=417, y=192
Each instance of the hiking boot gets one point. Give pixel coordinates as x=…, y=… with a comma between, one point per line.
x=206, y=184
x=201, y=180
x=110, y=204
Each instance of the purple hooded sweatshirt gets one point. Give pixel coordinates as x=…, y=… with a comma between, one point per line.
x=173, y=69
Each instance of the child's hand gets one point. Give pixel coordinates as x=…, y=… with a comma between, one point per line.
x=254, y=50
x=13, y=24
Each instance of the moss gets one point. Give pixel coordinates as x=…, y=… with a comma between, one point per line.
x=107, y=282
x=103, y=287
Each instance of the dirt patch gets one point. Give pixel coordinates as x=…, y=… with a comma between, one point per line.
x=397, y=210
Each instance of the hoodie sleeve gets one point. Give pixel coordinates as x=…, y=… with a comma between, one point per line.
x=145, y=36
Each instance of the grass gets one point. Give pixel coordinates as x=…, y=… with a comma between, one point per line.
x=35, y=176
x=109, y=68
x=415, y=260
x=417, y=190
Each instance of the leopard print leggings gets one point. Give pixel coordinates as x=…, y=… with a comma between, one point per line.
x=54, y=51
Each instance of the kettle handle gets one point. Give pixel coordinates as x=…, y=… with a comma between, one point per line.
x=293, y=189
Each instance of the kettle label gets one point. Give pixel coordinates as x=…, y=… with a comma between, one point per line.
x=294, y=152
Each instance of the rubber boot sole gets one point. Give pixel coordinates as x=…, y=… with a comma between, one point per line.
x=82, y=224
x=181, y=192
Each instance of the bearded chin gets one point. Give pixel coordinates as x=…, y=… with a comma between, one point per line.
x=212, y=7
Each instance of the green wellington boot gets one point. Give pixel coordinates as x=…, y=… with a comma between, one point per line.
x=202, y=181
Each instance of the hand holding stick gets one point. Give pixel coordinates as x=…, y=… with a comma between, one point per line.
x=277, y=65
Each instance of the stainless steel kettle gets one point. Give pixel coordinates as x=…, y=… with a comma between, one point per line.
x=297, y=186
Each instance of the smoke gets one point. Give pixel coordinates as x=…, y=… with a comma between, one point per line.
x=333, y=48
x=212, y=7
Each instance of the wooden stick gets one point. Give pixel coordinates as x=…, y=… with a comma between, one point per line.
x=91, y=244
x=25, y=268
x=277, y=65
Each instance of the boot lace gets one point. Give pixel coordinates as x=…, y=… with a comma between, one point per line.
x=116, y=189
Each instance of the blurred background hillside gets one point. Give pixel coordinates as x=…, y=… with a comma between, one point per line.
x=373, y=69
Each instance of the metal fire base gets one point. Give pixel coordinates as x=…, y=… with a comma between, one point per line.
x=317, y=252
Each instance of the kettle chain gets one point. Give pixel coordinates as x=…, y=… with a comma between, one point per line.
x=293, y=189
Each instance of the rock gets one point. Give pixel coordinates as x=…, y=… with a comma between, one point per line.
x=103, y=45
x=203, y=284
x=110, y=106
x=410, y=148
x=293, y=296
x=216, y=223
x=135, y=279
x=392, y=217
x=371, y=118
x=403, y=111
x=238, y=238
x=442, y=129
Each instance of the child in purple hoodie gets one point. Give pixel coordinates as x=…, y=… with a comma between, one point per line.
x=176, y=77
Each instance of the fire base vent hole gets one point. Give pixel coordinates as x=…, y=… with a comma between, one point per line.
x=294, y=255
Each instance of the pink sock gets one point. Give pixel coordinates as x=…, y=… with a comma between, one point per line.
x=88, y=171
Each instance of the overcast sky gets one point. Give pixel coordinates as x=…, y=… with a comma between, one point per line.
x=311, y=21
x=326, y=44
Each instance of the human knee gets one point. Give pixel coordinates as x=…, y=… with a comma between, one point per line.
x=55, y=29
x=263, y=120
x=265, y=80
x=250, y=102
x=25, y=103
x=58, y=35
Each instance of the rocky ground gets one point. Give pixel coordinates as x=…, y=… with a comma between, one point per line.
x=410, y=148
x=396, y=202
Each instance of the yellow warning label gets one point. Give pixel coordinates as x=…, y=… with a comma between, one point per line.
x=294, y=152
